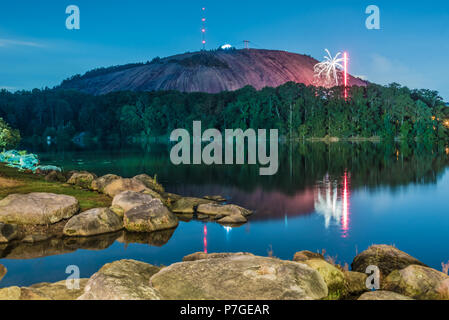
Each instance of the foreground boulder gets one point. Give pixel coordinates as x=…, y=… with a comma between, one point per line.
x=93, y=222
x=238, y=277
x=149, y=217
x=59, y=290
x=150, y=183
x=356, y=282
x=43, y=291
x=334, y=278
x=16, y=293
x=3, y=271
x=119, y=185
x=100, y=183
x=37, y=208
x=383, y=295
x=127, y=200
x=122, y=280
x=8, y=232
x=418, y=282
x=186, y=205
x=82, y=179
x=386, y=258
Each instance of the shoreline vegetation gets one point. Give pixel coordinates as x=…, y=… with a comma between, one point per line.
x=87, y=211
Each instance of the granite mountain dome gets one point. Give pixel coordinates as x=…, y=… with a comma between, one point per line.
x=208, y=71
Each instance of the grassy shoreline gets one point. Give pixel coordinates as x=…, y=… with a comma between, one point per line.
x=15, y=181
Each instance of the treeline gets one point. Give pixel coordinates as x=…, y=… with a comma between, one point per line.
x=298, y=111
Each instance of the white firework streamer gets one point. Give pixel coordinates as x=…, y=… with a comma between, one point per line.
x=329, y=68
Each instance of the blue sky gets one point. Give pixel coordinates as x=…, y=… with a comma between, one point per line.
x=36, y=49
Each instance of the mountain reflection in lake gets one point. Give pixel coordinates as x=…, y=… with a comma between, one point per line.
x=339, y=197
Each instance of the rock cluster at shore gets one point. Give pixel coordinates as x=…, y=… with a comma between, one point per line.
x=139, y=205
x=244, y=276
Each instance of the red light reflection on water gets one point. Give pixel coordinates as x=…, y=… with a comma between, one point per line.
x=345, y=210
x=205, y=239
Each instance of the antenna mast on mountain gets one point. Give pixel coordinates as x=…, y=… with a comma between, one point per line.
x=203, y=28
x=246, y=42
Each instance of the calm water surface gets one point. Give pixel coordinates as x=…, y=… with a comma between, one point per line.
x=339, y=197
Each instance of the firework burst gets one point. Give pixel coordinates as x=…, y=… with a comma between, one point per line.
x=328, y=70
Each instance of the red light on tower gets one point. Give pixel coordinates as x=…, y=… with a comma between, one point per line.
x=203, y=29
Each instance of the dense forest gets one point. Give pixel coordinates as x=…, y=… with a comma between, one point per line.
x=298, y=111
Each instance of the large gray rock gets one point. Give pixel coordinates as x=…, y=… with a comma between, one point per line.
x=8, y=232
x=238, y=277
x=149, y=217
x=383, y=295
x=100, y=183
x=386, y=258
x=122, y=280
x=37, y=208
x=128, y=200
x=82, y=179
x=219, y=71
x=216, y=209
x=119, y=185
x=150, y=183
x=418, y=282
x=93, y=222
x=187, y=204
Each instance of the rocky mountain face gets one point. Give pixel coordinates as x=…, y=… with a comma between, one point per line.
x=211, y=72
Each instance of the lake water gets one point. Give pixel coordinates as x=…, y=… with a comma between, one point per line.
x=340, y=197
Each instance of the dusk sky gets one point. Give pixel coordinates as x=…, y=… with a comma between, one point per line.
x=36, y=49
